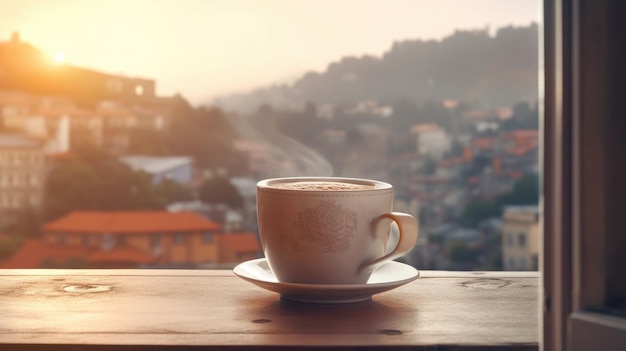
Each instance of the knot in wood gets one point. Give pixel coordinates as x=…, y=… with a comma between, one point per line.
x=486, y=283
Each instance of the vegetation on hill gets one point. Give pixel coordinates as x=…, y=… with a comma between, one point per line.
x=470, y=66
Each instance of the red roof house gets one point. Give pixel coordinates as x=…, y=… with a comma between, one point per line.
x=123, y=239
x=239, y=247
x=130, y=222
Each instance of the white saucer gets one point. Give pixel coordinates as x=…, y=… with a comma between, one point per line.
x=388, y=276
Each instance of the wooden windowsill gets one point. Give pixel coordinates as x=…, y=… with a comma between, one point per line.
x=169, y=309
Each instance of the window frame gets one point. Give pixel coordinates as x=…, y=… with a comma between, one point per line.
x=521, y=240
x=580, y=40
x=179, y=238
x=208, y=237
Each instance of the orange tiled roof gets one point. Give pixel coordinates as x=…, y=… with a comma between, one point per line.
x=521, y=149
x=34, y=251
x=524, y=133
x=130, y=222
x=240, y=242
x=483, y=143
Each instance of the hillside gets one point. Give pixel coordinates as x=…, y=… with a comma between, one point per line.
x=470, y=66
x=24, y=67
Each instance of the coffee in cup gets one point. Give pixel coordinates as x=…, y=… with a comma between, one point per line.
x=320, y=185
x=329, y=230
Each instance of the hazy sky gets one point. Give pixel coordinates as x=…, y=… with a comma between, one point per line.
x=205, y=48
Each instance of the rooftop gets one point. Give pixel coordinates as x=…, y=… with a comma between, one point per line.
x=155, y=164
x=130, y=222
x=526, y=209
x=35, y=251
x=14, y=140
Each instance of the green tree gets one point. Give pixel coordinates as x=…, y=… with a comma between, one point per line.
x=478, y=210
x=524, y=117
x=525, y=191
x=94, y=181
x=8, y=246
x=405, y=114
x=219, y=190
x=430, y=167
x=170, y=191
x=204, y=134
x=148, y=142
x=71, y=186
x=26, y=224
x=457, y=148
x=461, y=253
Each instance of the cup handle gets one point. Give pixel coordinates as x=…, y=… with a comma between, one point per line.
x=408, y=231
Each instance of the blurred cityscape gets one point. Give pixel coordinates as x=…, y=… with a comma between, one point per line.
x=97, y=171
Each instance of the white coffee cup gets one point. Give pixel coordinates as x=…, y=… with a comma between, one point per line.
x=329, y=230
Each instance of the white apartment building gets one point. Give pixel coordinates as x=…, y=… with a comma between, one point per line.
x=432, y=140
x=520, y=238
x=22, y=176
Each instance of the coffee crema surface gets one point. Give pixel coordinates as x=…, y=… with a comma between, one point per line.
x=321, y=186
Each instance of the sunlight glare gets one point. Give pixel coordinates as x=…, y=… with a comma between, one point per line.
x=59, y=57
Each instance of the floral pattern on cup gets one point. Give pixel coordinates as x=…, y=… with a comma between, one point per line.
x=329, y=225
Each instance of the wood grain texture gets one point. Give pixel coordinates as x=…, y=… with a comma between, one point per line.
x=104, y=309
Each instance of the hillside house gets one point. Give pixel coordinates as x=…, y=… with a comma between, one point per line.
x=22, y=176
x=432, y=140
x=177, y=169
x=135, y=239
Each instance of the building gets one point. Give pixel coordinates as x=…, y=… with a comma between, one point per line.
x=134, y=239
x=42, y=118
x=176, y=238
x=14, y=106
x=238, y=247
x=177, y=169
x=432, y=140
x=118, y=122
x=230, y=220
x=22, y=176
x=520, y=238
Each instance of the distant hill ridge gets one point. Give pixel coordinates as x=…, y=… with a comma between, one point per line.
x=23, y=67
x=468, y=65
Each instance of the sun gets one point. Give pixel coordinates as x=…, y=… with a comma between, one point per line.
x=59, y=57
